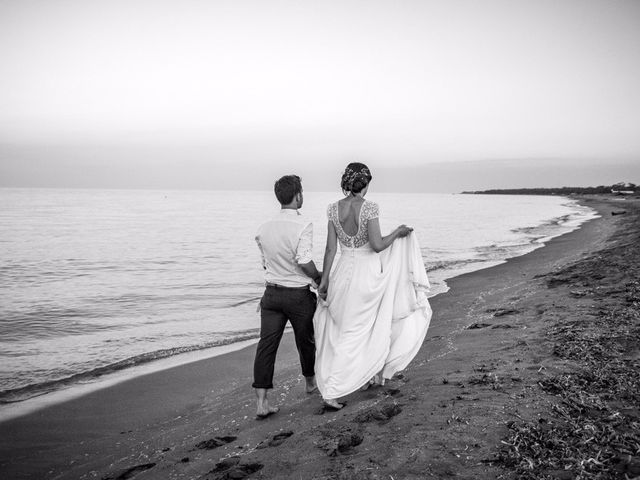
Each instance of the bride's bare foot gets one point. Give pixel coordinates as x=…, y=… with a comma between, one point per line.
x=333, y=404
x=367, y=385
x=377, y=379
x=311, y=384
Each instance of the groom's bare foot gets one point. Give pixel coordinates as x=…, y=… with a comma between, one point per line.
x=265, y=411
x=311, y=384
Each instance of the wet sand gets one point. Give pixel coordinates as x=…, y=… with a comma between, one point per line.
x=489, y=371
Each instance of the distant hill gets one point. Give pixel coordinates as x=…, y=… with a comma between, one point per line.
x=621, y=188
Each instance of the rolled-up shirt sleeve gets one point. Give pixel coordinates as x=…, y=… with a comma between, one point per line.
x=304, y=252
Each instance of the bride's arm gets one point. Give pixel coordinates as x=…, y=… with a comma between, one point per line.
x=329, y=255
x=378, y=242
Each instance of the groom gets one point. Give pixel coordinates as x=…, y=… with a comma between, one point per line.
x=286, y=245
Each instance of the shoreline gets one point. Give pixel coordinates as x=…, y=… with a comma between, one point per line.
x=11, y=410
x=160, y=418
x=70, y=390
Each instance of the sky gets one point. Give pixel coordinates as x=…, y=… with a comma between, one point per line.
x=441, y=95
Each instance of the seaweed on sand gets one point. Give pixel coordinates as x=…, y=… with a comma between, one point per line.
x=593, y=430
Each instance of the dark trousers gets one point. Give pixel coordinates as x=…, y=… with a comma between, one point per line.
x=278, y=305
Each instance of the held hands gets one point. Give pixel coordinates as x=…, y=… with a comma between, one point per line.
x=403, y=231
x=323, y=288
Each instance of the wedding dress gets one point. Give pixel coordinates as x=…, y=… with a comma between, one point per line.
x=376, y=314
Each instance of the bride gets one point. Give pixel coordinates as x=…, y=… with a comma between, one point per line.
x=373, y=312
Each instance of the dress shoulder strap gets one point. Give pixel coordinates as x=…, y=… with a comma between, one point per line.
x=370, y=210
x=332, y=212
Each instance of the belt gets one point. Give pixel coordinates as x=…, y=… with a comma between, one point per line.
x=275, y=285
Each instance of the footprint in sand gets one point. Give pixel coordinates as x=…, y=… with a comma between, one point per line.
x=379, y=413
x=214, y=442
x=394, y=392
x=231, y=468
x=500, y=312
x=475, y=326
x=339, y=440
x=131, y=472
x=276, y=440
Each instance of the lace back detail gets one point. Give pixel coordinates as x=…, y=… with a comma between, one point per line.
x=368, y=211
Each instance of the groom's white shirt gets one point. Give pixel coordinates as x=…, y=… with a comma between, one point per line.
x=285, y=242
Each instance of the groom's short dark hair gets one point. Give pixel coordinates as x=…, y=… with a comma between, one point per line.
x=286, y=188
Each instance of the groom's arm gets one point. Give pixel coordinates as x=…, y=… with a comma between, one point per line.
x=311, y=271
x=262, y=258
x=304, y=255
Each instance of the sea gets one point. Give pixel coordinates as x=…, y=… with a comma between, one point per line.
x=98, y=286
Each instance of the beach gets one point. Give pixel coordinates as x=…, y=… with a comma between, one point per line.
x=513, y=359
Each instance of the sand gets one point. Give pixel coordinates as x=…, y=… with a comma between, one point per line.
x=489, y=374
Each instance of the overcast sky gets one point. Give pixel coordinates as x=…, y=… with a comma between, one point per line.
x=435, y=95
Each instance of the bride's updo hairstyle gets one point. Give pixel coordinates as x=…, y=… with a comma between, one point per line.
x=355, y=178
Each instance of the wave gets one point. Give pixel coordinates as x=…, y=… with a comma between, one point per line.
x=448, y=264
x=530, y=238
x=554, y=222
x=580, y=215
x=37, y=389
x=502, y=252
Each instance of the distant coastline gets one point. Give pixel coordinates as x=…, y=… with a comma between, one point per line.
x=616, y=189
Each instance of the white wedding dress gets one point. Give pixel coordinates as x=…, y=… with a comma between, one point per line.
x=376, y=314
